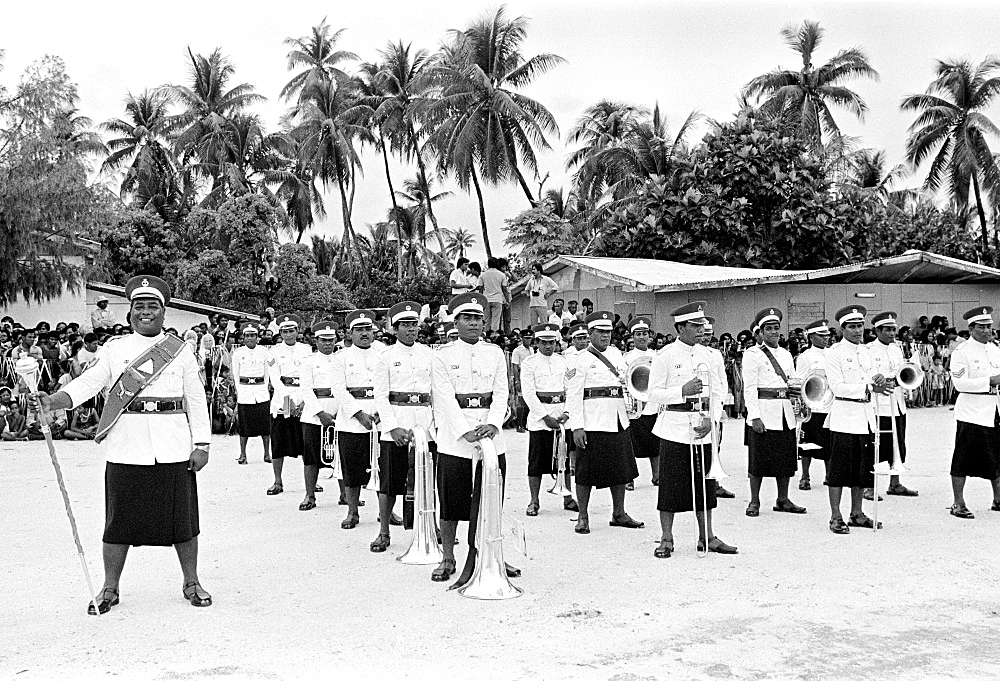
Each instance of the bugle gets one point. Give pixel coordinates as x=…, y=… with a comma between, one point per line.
x=560, y=460
x=424, y=549
x=637, y=385
x=489, y=581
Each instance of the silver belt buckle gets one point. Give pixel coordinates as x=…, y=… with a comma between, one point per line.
x=557, y=399
x=149, y=406
x=474, y=402
x=370, y=393
x=414, y=399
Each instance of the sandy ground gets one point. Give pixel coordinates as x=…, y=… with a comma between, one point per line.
x=295, y=594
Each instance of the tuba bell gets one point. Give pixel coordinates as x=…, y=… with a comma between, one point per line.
x=489, y=580
x=424, y=549
x=637, y=385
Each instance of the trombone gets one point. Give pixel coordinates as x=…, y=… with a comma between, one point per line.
x=560, y=459
x=704, y=374
x=424, y=549
x=909, y=377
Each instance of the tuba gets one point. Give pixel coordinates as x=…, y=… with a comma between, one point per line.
x=424, y=549
x=489, y=580
x=637, y=385
x=809, y=393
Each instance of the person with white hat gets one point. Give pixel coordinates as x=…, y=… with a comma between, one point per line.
x=284, y=372
x=319, y=406
x=156, y=425
x=815, y=434
x=770, y=432
x=402, y=383
x=357, y=415
x=975, y=373
x=853, y=379
x=645, y=445
x=888, y=358
x=102, y=317
x=579, y=338
x=253, y=396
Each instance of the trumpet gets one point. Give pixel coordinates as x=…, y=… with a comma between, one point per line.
x=489, y=581
x=637, y=385
x=560, y=460
x=422, y=505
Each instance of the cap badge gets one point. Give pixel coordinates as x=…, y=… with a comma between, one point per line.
x=408, y=308
x=854, y=310
x=771, y=312
x=145, y=282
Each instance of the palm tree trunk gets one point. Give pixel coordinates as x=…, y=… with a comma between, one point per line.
x=982, y=213
x=422, y=176
x=482, y=213
x=524, y=187
x=395, y=210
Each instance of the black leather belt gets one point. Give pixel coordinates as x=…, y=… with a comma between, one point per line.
x=993, y=391
x=551, y=398
x=608, y=391
x=156, y=406
x=688, y=406
x=251, y=380
x=772, y=393
x=474, y=400
x=362, y=393
x=290, y=381
x=322, y=392
x=409, y=399
x=853, y=399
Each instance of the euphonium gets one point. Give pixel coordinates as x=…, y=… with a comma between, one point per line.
x=637, y=385
x=424, y=549
x=489, y=580
x=809, y=393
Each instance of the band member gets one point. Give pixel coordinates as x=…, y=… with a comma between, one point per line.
x=718, y=365
x=645, y=445
x=851, y=373
x=684, y=420
x=771, y=421
x=888, y=358
x=155, y=445
x=580, y=339
x=450, y=332
x=470, y=402
x=357, y=416
x=319, y=407
x=815, y=434
x=599, y=423
x=543, y=379
x=403, y=399
x=521, y=353
x=253, y=397
x=283, y=369
x=975, y=373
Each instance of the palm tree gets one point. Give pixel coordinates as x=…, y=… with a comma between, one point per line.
x=141, y=144
x=868, y=173
x=952, y=127
x=602, y=126
x=296, y=191
x=480, y=120
x=803, y=98
x=401, y=97
x=413, y=191
x=317, y=53
x=458, y=242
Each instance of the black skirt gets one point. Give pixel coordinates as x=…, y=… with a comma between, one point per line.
x=885, y=441
x=150, y=505
x=852, y=460
x=540, y=452
x=455, y=485
x=674, y=493
x=312, y=444
x=977, y=451
x=286, y=437
x=772, y=453
x=607, y=460
x=393, y=466
x=355, y=457
x=813, y=432
x=645, y=445
x=253, y=420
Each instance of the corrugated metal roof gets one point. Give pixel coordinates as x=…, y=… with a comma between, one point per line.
x=647, y=274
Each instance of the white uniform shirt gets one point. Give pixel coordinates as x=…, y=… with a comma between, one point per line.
x=316, y=371
x=600, y=414
x=887, y=360
x=972, y=364
x=285, y=361
x=251, y=363
x=631, y=356
x=404, y=369
x=675, y=365
x=810, y=359
x=541, y=374
x=463, y=368
x=355, y=368
x=758, y=373
x=146, y=439
x=849, y=369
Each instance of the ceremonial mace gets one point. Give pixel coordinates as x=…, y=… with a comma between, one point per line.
x=27, y=369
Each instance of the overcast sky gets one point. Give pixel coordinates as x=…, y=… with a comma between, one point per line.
x=685, y=55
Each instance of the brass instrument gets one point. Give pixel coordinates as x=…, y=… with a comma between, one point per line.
x=374, y=480
x=328, y=446
x=909, y=376
x=489, y=580
x=637, y=385
x=809, y=393
x=424, y=549
x=704, y=373
x=561, y=459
